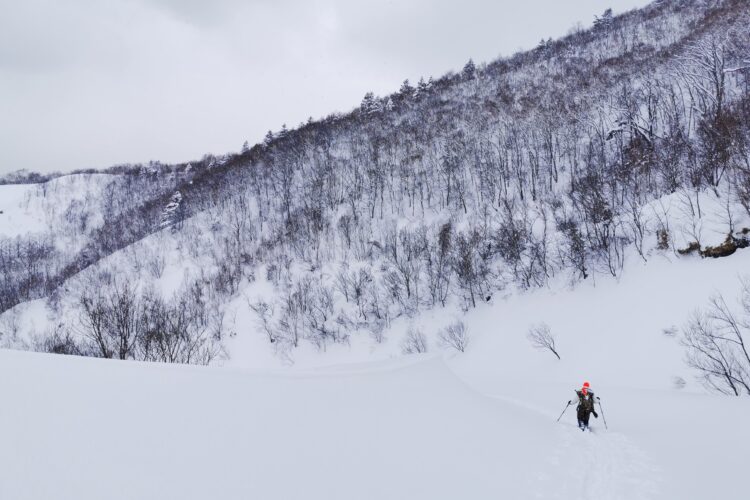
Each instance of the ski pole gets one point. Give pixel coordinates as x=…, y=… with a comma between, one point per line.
x=564, y=410
x=598, y=399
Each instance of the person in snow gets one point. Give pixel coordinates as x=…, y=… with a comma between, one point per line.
x=585, y=406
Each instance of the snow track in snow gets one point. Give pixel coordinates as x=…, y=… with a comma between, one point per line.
x=597, y=465
x=600, y=465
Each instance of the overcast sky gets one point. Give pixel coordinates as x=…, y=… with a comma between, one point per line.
x=92, y=83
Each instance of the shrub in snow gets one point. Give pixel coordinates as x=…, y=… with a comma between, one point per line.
x=377, y=330
x=60, y=341
x=455, y=336
x=415, y=342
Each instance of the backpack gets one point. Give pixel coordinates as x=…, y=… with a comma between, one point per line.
x=586, y=401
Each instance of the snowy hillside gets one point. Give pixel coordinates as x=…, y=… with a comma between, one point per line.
x=569, y=163
x=179, y=264
x=44, y=208
x=478, y=424
x=52, y=230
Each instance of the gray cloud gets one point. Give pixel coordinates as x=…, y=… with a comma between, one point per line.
x=85, y=83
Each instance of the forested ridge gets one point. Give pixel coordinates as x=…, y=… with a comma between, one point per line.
x=504, y=175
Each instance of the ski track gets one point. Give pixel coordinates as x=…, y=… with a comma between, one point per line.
x=601, y=465
x=594, y=465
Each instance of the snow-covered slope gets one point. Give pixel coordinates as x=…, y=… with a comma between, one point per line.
x=75, y=428
x=41, y=208
x=613, y=334
x=17, y=217
x=79, y=429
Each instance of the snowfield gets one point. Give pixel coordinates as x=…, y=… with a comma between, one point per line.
x=81, y=428
x=85, y=429
x=38, y=208
x=476, y=425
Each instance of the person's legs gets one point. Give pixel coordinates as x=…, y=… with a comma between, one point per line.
x=582, y=418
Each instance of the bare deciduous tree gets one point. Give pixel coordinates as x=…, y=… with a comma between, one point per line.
x=264, y=311
x=112, y=320
x=541, y=337
x=715, y=340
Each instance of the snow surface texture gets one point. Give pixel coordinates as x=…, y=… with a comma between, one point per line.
x=75, y=428
x=92, y=429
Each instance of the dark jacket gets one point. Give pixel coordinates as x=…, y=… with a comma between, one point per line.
x=585, y=402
